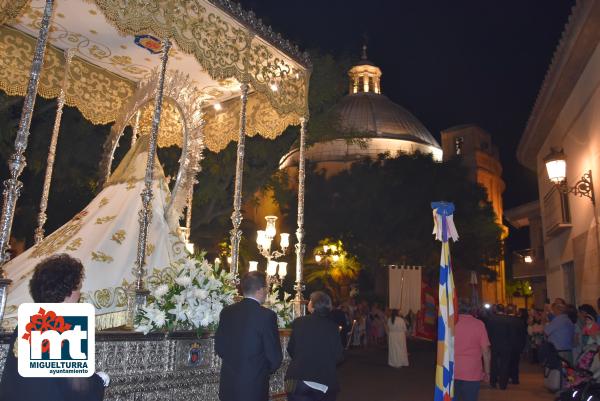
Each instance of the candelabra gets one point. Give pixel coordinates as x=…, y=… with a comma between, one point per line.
x=276, y=271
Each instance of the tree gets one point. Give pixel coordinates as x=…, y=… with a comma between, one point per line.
x=213, y=196
x=519, y=289
x=381, y=210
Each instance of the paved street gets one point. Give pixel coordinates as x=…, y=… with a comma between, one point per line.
x=365, y=376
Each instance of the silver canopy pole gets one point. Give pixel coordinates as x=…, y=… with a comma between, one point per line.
x=42, y=217
x=236, y=216
x=299, y=307
x=16, y=163
x=145, y=214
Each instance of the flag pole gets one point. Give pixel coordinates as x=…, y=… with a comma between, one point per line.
x=444, y=230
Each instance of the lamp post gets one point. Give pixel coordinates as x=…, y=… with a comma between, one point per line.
x=556, y=167
x=328, y=254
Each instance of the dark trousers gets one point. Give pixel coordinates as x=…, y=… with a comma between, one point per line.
x=500, y=367
x=515, y=357
x=466, y=390
x=304, y=393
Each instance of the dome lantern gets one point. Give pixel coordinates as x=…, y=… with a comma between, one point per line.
x=365, y=76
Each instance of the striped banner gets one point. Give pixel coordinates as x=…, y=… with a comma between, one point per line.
x=444, y=373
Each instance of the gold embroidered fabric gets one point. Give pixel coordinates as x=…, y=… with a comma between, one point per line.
x=58, y=238
x=99, y=256
x=74, y=245
x=105, y=219
x=171, y=123
x=223, y=47
x=97, y=93
x=223, y=126
x=11, y=9
x=119, y=236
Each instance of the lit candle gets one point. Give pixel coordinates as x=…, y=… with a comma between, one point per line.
x=253, y=266
x=260, y=237
x=272, y=268
x=284, y=240
x=282, y=269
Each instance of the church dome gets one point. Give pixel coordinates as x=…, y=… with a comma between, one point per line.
x=376, y=115
x=366, y=110
x=365, y=113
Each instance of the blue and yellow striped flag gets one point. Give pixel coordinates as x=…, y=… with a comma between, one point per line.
x=444, y=373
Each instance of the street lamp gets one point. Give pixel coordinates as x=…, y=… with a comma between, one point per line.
x=326, y=254
x=556, y=167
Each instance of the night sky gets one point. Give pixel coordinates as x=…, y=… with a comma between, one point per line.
x=449, y=63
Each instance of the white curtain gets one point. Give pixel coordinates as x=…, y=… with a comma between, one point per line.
x=405, y=288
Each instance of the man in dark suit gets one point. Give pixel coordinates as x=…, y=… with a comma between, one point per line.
x=57, y=279
x=247, y=341
x=518, y=340
x=315, y=349
x=499, y=333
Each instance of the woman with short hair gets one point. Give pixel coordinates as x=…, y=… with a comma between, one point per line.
x=315, y=349
x=56, y=279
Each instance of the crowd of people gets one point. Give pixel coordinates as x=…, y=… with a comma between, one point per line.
x=362, y=324
x=490, y=341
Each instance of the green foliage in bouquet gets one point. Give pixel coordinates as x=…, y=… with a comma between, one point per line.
x=282, y=305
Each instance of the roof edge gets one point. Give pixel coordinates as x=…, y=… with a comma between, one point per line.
x=265, y=32
x=578, y=41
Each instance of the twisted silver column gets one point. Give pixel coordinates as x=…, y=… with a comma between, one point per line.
x=188, y=211
x=145, y=215
x=16, y=163
x=42, y=217
x=236, y=216
x=299, y=308
x=136, y=128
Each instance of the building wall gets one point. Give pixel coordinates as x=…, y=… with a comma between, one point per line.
x=577, y=131
x=474, y=146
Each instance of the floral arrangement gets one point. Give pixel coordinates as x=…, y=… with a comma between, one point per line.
x=282, y=306
x=189, y=295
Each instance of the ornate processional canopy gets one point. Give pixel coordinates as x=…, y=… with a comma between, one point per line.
x=117, y=45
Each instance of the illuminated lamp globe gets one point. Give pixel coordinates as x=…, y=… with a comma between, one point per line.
x=556, y=166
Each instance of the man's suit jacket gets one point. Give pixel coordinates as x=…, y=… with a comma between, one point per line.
x=247, y=341
x=14, y=387
x=518, y=334
x=315, y=349
x=499, y=333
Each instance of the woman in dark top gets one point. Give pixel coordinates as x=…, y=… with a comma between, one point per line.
x=56, y=279
x=315, y=349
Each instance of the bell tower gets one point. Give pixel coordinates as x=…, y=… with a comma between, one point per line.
x=365, y=76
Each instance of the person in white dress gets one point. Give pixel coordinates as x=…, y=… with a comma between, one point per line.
x=396, y=331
